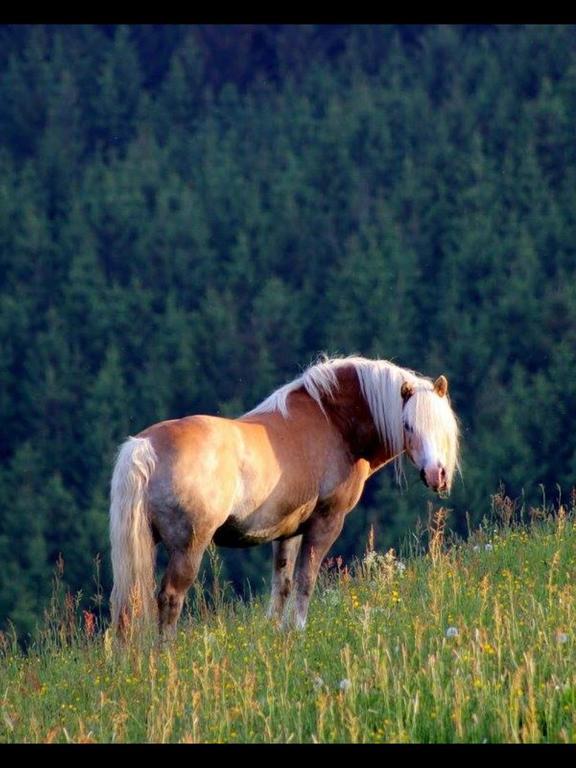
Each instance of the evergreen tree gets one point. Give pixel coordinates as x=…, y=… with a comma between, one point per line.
x=107, y=416
x=116, y=102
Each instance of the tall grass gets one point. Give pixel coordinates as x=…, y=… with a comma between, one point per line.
x=468, y=642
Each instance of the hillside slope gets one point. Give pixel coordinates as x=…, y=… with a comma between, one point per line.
x=469, y=642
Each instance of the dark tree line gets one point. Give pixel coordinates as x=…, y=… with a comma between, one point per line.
x=188, y=215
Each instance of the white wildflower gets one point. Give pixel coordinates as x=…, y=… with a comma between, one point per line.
x=370, y=558
x=562, y=637
x=345, y=684
x=452, y=632
x=488, y=547
x=400, y=566
x=317, y=682
x=332, y=597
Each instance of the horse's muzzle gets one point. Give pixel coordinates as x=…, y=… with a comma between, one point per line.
x=434, y=478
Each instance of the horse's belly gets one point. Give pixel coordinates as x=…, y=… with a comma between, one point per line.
x=233, y=535
x=262, y=528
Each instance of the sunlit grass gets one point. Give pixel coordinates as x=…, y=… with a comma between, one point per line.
x=470, y=642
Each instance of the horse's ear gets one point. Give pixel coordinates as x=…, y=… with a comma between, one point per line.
x=406, y=390
x=441, y=386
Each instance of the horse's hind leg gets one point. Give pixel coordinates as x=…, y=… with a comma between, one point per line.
x=284, y=558
x=180, y=573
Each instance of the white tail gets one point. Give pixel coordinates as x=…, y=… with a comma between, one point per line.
x=131, y=535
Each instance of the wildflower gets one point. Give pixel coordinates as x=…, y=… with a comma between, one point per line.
x=345, y=684
x=488, y=547
x=370, y=558
x=317, y=682
x=452, y=632
x=332, y=597
x=400, y=566
x=355, y=600
x=476, y=548
x=89, y=623
x=487, y=648
x=562, y=637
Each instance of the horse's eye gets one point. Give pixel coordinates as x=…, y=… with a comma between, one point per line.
x=407, y=427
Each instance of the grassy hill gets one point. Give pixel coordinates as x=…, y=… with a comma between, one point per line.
x=465, y=642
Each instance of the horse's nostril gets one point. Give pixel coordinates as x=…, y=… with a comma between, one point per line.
x=442, y=473
x=423, y=477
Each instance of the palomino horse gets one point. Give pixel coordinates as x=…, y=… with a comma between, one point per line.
x=287, y=472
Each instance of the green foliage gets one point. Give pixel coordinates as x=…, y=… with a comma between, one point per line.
x=190, y=214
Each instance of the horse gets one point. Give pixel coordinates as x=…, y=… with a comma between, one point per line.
x=286, y=472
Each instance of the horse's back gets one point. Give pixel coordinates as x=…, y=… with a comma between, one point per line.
x=191, y=433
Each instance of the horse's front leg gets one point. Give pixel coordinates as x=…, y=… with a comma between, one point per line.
x=322, y=530
x=284, y=559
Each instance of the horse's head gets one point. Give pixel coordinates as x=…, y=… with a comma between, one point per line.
x=430, y=431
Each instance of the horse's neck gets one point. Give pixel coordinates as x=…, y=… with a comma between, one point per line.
x=350, y=414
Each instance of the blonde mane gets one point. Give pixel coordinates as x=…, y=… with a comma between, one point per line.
x=380, y=383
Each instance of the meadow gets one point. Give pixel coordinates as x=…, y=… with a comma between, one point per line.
x=447, y=641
